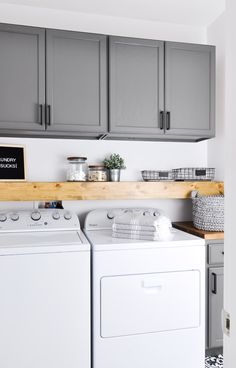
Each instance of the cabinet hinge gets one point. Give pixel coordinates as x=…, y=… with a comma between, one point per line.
x=226, y=322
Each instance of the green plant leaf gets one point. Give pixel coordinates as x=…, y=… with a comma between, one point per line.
x=115, y=161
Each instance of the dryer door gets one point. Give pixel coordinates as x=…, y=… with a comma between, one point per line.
x=147, y=303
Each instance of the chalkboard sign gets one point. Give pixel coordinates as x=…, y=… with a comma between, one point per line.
x=12, y=162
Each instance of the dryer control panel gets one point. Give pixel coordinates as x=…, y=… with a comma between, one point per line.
x=103, y=218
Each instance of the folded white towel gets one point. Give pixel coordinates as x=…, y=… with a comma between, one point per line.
x=142, y=224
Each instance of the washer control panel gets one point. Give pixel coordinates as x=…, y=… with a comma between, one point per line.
x=38, y=219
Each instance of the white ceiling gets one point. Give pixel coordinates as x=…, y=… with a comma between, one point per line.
x=189, y=12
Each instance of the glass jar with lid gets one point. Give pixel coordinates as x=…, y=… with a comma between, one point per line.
x=97, y=173
x=77, y=169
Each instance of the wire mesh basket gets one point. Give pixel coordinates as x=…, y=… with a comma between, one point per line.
x=157, y=175
x=208, y=212
x=194, y=173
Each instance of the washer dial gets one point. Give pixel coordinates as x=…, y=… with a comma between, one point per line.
x=56, y=215
x=3, y=217
x=36, y=215
x=14, y=217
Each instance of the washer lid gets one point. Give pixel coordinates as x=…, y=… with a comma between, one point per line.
x=47, y=241
x=103, y=240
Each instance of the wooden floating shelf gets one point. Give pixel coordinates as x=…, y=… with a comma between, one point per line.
x=48, y=191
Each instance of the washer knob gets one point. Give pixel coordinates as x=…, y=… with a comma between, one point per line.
x=14, y=217
x=35, y=215
x=3, y=217
x=56, y=215
x=67, y=216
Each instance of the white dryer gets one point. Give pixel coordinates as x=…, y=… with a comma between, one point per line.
x=44, y=290
x=148, y=298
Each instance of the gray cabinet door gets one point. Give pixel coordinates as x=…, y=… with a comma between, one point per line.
x=76, y=89
x=22, y=78
x=189, y=89
x=216, y=284
x=136, y=86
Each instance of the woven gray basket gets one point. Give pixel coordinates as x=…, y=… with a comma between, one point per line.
x=208, y=212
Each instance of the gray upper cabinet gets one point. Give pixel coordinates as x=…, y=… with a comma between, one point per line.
x=76, y=89
x=189, y=89
x=71, y=84
x=22, y=78
x=136, y=86
x=147, y=77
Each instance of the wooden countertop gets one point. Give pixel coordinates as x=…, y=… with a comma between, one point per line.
x=189, y=228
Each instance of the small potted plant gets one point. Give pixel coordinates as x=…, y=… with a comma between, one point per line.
x=114, y=164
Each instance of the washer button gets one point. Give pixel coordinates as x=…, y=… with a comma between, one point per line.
x=14, y=217
x=3, y=217
x=67, y=216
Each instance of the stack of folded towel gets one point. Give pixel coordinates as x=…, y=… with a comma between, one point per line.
x=142, y=224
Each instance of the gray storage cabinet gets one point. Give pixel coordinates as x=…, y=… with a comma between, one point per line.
x=22, y=78
x=148, y=77
x=136, y=86
x=189, y=89
x=57, y=86
x=76, y=82
x=215, y=291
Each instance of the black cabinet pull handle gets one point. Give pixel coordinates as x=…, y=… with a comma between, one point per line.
x=214, y=289
x=168, y=120
x=161, y=120
x=222, y=252
x=103, y=136
x=40, y=114
x=48, y=115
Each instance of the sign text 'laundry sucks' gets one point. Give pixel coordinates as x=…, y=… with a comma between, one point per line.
x=12, y=162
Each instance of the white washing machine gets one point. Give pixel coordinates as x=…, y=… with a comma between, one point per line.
x=148, y=298
x=44, y=291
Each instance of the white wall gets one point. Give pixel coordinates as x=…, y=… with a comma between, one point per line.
x=47, y=158
x=61, y=19
x=216, y=146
